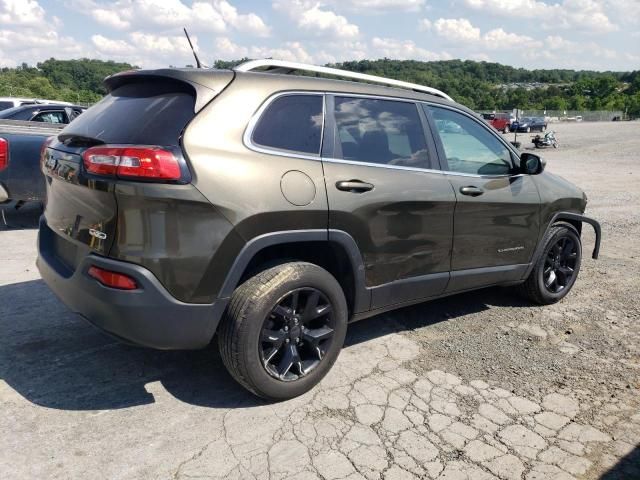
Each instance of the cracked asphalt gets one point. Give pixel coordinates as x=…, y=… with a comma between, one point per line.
x=476, y=386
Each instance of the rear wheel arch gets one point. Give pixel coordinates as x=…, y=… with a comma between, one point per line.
x=335, y=252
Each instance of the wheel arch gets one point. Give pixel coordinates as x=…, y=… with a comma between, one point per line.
x=333, y=250
x=574, y=221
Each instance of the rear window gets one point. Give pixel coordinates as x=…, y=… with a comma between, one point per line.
x=149, y=113
x=293, y=123
x=5, y=105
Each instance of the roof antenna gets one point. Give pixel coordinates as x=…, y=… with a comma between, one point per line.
x=198, y=63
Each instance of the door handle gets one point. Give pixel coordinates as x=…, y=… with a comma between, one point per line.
x=471, y=191
x=354, y=186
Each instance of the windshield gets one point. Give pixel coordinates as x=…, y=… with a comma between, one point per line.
x=10, y=112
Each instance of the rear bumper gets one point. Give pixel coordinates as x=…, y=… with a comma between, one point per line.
x=148, y=316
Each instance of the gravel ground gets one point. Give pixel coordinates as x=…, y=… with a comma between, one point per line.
x=476, y=386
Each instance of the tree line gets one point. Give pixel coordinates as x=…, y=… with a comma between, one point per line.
x=478, y=85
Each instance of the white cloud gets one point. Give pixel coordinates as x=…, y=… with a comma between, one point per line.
x=456, y=30
x=21, y=12
x=571, y=54
x=145, y=49
x=461, y=32
x=512, y=8
x=29, y=35
x=250, y=22
x=424, y=25
x=109, y=46
x=33, y=46
x=312, y=18
x=586, y=15
x=626, y=11
x=378, y=6
x=403, y=50
x=499, y=39
x=212, y=16
x=290, y=51
x=111, y=19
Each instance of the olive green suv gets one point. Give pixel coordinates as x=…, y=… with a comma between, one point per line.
x=273, y=209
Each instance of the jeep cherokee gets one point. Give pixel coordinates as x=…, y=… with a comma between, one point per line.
x=272, y=209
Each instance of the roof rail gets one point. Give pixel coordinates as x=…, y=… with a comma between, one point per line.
x=281, y=66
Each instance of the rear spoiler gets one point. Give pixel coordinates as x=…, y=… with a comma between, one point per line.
x=205, y=83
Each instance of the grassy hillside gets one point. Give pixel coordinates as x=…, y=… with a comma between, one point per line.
x=479, y=85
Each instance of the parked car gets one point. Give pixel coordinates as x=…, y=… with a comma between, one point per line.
x=21, y=144
x=274, y=209
x=499, y=121
x=10, y=102
x=529, y=124
x=48, y=113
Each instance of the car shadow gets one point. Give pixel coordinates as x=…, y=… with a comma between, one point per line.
x=628, y=467
x=53, y=358
x=19, y=215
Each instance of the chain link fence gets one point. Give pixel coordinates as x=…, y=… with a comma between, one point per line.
x=565, y=115
x=574, y=115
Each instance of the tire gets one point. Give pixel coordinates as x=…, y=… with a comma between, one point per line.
x=506, y=129
x=257, y=304
x=535, y=286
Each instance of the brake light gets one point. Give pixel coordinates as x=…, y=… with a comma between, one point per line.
x=43, y=149
x=112, y=279
x=145, y=162
x=4, y=154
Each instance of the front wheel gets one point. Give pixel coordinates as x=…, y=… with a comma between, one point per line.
x=283, y=330
x=556, y=271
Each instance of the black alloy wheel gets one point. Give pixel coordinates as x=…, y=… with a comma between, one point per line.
x=555, y=271
x=283, y=329
x=296, y=334
x=560, y=265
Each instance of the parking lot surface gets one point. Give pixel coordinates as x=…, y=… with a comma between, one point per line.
x=477, y=386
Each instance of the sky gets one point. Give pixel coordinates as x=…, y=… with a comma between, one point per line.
x=577, y=34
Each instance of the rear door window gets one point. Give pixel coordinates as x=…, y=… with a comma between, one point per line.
x=52, y=116
x=385, y=132
x=144, y=113
x=292, y=123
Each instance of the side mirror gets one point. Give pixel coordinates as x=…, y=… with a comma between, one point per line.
x=531, y=164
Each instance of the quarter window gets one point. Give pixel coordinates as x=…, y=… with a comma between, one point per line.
x=379, y=131
x=468, y=146
x=291, y=122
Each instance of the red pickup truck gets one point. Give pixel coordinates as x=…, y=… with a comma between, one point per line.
x=499, y=121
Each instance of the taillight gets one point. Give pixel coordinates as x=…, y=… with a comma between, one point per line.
x=112, y=279
x=43, y=149
x=4, y=154
x=132, y=162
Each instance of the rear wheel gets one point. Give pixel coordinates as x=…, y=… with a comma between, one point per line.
x=283, y=330
x=556, y=271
